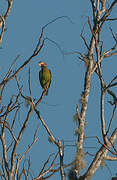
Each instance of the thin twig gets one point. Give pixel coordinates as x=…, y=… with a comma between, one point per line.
x=45, y=126
x=113, y=35
x=10, y=2
x=54, y=20
x=106, y=147
x=111, y=119
x=29, y=82
x=3, y=29
x=42, y=173
x=45, y=164
x=81, y=35
x=29, y=147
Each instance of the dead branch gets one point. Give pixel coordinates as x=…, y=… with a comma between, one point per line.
x=45, y=126
x=43, y=171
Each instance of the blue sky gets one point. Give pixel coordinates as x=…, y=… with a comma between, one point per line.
x=58, y=108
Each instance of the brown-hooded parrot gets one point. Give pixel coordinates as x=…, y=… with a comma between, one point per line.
x=44, y=76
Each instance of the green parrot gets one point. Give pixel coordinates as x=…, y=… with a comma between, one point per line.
x=44, y=76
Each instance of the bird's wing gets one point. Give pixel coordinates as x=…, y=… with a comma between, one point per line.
x=40, y=78
x=50, y=78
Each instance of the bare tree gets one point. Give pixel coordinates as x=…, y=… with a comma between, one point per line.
x=101, y=11
x=9, y=160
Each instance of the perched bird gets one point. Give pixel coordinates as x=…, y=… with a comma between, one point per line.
x=45, y=76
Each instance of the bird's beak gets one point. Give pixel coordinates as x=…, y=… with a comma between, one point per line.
x=39, y=64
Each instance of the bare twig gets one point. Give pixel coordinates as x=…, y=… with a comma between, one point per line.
x=3, y=29
x=14, y=119
x=16, y=143
x=43, y=171
x=111, y=119
x=17, y=168
x=111, y=19
x=111, y=158
x=111, y=83
x=34, y=137
x=94, y=10
x=106, y=146
x=10, y=145
x=56, y=19
x=56, y=44
x=81, y=35
x=29, y=147
x=45, y=164
x=3, y=19
x=45, y=126
x=8, y=9
x=10, y=130
x=53, y=171
x=29, y=82
x=4, y=151
x=113, y=35
x=107, y=12
x=3, y=169
x=11, y=106
x=6, y=76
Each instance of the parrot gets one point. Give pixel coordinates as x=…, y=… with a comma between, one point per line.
x=44, y=76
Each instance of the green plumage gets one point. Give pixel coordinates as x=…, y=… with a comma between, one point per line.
x=45, y=77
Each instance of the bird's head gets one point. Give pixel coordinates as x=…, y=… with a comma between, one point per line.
x=42, y=64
